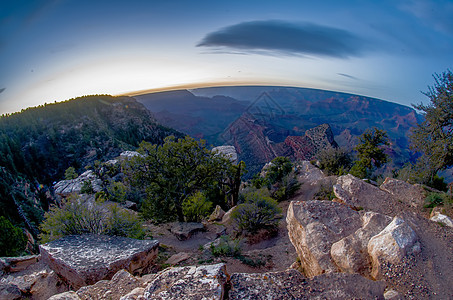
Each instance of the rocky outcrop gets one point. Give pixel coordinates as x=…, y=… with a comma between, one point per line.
x=201, y=282
x=313, y=226
x=391, y=245
x=309, y=174
x=412, y=194
x=66, y=187
x=16, y=264
x=350, y=253
x=86, y=259
x=184, y=230
x=291, y=284
x=227, y=151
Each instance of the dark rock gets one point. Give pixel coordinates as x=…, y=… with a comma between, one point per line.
x=129, y=205
x=86, y=259
x=184, y=231
x=9, y=291
x=412, y=194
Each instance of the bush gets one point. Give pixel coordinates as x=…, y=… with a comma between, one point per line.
x=286, y=188
x=117, y=192
x=70, y=173
x=434, y=199
x=335, y=161
x=227, y=247
x=87, y=187
x=258, y=212
x=12, y=239
x=196, y=207
x=76, y=217
x=325, y=192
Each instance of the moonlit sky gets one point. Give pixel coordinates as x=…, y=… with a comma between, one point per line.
x=59, y=49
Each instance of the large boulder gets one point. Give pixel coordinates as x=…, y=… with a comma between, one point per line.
x=412, y=194
x=121, y=283
x=350, y=253
x=391, y=245
x=313, y=226
x=67, y=187
x=86, y=259
x=193, y=282
x=309, y=174
x=291, y=284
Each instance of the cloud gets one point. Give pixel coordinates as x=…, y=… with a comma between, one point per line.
x=2, y=89
x=288, y=38
x=348, y=76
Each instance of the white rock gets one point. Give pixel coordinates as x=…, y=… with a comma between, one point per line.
x=228, y=151
x=443, y=219
x=391, y=245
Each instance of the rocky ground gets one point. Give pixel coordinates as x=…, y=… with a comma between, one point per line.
x=370, y=242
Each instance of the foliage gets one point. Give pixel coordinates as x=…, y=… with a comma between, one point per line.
x=433, y=138
x=335, y=161
x=70, y=173
x=117, y=192
x=325, y=192
x=435, y=199
x=196, y=207
x=12, y=239
x=87, y=187
x=227, y=247
x=279, y=178
x=171, y=173
x=257, y=212
x=77, y=217
x=370, y=152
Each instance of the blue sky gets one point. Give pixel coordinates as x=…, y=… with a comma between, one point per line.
x=58, y=49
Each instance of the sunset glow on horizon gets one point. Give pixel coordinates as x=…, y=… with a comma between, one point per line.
x=59, y=49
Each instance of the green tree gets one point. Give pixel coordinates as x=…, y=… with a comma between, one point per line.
x=433, y=137
x=335, y=161
x=12, y=239
x=70, y=173
x=370, y=152
x=172, y=172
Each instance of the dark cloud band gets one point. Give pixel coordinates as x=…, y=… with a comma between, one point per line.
x=299, y=39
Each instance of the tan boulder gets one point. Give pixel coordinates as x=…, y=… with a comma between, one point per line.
x=71, y=295
x=442, y=219
x=391, y=245
x=412, y=194
x=217, y=214
x=350, y=253
x=313, y=226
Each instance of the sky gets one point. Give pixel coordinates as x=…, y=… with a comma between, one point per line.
x=54, y=50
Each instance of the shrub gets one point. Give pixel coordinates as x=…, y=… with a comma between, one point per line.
x=335, y=161
x=286, y=188
x=12, y=239
x=117, y=192
x=227, y=247
x=258, y=212
x=325, y=192
x=70, y=173
x=76, y=217
x=434, y=199
x=87, y=187
x=196, y=207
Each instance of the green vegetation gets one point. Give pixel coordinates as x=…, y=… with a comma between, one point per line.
x=227, y=247
x=70, y=173
x=77, y=217
x=196, y=207
x=433, y=138
x=325, y=192
x=280, y=179
x=334, y=161
x=370, y=152
x=170, y=174
x=257, y=212
x=435, y=199
x=12, y=239
x=38, y=144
